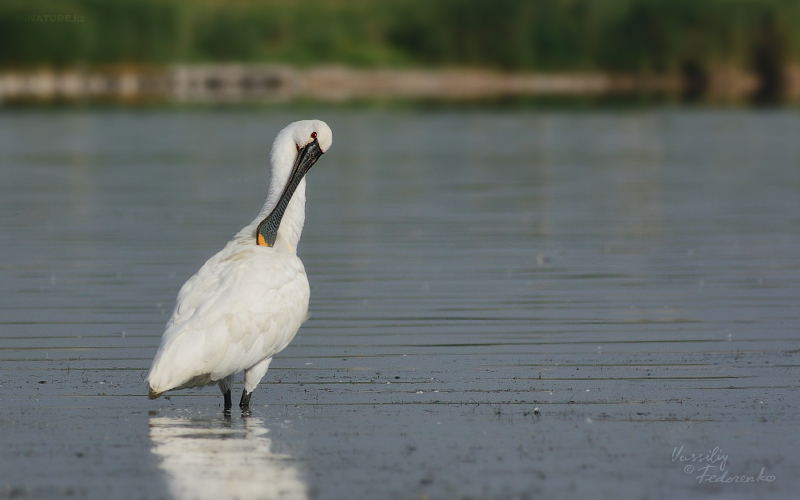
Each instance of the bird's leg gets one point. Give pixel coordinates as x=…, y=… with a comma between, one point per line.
x=225, y=385
x=244, y=404
x=252, y=376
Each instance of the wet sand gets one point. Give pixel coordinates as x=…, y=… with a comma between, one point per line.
x=510, y=305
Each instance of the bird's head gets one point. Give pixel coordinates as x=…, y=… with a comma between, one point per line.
x=305, y=132
x=295, y=150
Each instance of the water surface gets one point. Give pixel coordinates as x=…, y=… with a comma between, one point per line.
x=504, y=305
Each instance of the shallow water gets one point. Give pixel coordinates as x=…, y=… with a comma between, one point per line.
x=504, y=305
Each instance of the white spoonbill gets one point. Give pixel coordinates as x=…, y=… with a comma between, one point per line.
x=247, y=302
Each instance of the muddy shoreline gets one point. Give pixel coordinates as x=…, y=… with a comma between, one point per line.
x=233, y=83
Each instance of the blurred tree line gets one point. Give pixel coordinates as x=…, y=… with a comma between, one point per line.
x=641, y=36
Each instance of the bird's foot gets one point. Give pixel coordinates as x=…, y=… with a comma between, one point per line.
x=228, y=401
x=244, y=404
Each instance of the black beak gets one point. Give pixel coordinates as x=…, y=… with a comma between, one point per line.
x=306, y=157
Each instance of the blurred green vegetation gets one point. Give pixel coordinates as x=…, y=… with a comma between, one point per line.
x=642, y=36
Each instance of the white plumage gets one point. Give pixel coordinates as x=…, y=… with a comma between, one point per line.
x=247, y=302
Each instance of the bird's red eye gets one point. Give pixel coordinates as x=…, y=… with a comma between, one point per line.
x=313, y=135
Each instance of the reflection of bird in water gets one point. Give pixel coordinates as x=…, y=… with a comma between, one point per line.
x=210, y=458
x=247, y=302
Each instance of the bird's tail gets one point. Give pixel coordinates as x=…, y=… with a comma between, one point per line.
x=151, y=393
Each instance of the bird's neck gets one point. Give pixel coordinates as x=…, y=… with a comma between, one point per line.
x=291, y=226
x=294, y=217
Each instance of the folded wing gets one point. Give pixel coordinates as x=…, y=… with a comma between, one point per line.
x=244, y=305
